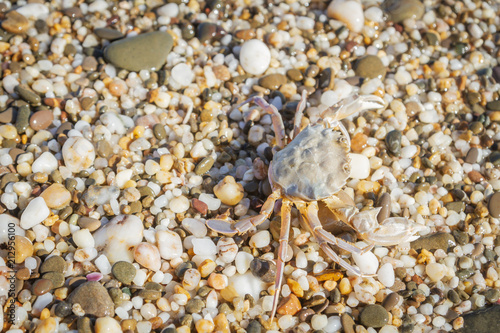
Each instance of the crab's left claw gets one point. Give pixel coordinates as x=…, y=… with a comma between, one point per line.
x=392, y=231
x=223, y=227
x=352, y=105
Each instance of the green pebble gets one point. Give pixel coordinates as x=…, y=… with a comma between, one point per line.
x=123, y=271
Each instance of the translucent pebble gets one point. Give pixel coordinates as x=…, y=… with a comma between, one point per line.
x=204, y=246
x=318, y=322
x=195, y=227
x=260, y=239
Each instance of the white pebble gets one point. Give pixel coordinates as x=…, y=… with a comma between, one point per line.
x=169, y=244
x=360, y=166
x=35, y=213
x=349, y=12
x=255, y=57
x=386, y=275
x=83, y=238
x=204, y=246
x=260, y=239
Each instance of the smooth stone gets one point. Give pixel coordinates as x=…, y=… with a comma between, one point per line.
x=22, y=119
x=255, y=57
x=89, y=223
x=247, y=284
x=194, y=305
x=486, y=320
x=78, y=154
x=348, y=323
x=84, y=325
x=374, y=315
x=204, y=166
x=295, y=75
x=123, y=271
x=23, y=249
x=34, y=214
x=100, y=195
x=34, y=10
x=272, y=81
x=360, y=166
x=384, y=202
x=208, y=32
x=263, y=269
x=45, y=163
x=7, y=116
x=367, y=262
x=53, y=264
x=145, y=51
x=15, y=23
x=493, y=105
x=169, y=244
x=473, y=156
x=41, y=120
x=118, y=237
x=93, y=298
x=393, y=142
x=27, y=94
x=56, y=278
x=63, y=309
x=370, y=67
x=89, y=64
x=41, y=286
x=56, y=196
x=457, y=206
x=400, y=10
x=433, y=242
x=6, y=222
x=148, y=255
x=109, y=34
x=494, y=205
x=390, y=301
x=349, y=12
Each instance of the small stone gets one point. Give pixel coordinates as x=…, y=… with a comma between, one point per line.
x=204, y=166
x=493, y=105
x=78, y=154
x=15, y=23
x=47, y=325
x=494, y=205
x=194, y=305
x=347, y=323
x=22, y=118
x=100, y=195
x=41, y=286
x=228, y=191
x=390, y=301
x=289, y=305
x=208, y=32
x=56, y=278
x=129, y=53
x=255, y=57
x=27, y=94
x=200, y=206
x=56, y=196
x=63, y=309
x=484, y=320
x=472, y=156
x=92, y=224
x=53, y=264
x=294, y=75
x=109, y=34
x=93, y=298
x=34, y=214
x=433, y=242
x=106, y=325
x=123, y=271
x=23, y=249
x=393, y=142
x=349, y=12
x=404, y=9
x=435, y=271
x=41, y=120
x=263, y=269
x=374, y=315
x=7, y=116
x=169, y=244
x=148, y=256
x=272, y=81
x=89, y=64
x=360, y=166
x=492, y=295
x=204, y=326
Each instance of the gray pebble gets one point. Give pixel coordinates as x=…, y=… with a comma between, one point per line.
x=436, y=241
x=374, y=315
x=27, y=94
x=53, y=264
x=393, y=142
x=263, y=269
x=22, y=119
x=123, y=271
x=194, y=305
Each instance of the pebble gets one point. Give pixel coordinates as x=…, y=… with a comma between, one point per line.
x=374, y=315
x=494, y=205
x=22, y=118
x=169, y=244
x=14, y=22
x=123, y=271
x=93, y=298
x=24, y=249
x=47, y=325
x=194, y=305
x=41, y=120
x=349, y=12
x=56, y=196
x=482, y=321
x=367, y=262
x=208, y=32
x=45, y=163
x=433, y=242
x=129, y=53
x=401, y=10
x=260, y=239
x=255, y=57
x=56, y=278
x=100, y=195
x=41, y=286
x=118, y=237
x=228, y=191
x=53, y=264
x=347, y=323
x=90, y=223
x=386, y=275
x=27, y=94
x=435, y=271
x=360, y=166
x=289, y=305
x=263, y=269
x=106, y=325
x=390, y=301
x=34, y=214
x=63, y=309
x=272, y=81
x=108, y=33
x=370, y=67
x=148, y=256
x=78, y=154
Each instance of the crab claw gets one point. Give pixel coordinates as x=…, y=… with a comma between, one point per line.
x=392, y=231
x=222, y=227
x=353, y=105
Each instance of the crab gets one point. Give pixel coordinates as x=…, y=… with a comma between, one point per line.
x=312, y=168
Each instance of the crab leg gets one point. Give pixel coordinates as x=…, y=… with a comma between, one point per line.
x=299, y=113
x=279, y=128
x=242, y=226
x=280, y=263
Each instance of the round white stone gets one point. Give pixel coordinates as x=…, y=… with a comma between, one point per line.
x=255, y=57
x=367, y=262
x=360, y=166
x=386, y=275
x=35, y=213
x=45, y=163
x=78, y=154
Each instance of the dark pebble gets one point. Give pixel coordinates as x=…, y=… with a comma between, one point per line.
x=461, y=237
x=208, y=32
x=305, y=314
x=492, y=295
x=493, y=105
x=7, y=116
x=464, y=274
x=494, y=158
x=472, y=156
x=41, y=286
x=150, y=295
x=272, y=81
x=385, y=203
x=432, y=242
x=93, y=298
x=22, y=119
x=204, y=291
x=370, y=67
x=393, y=142
x=56, y=278
x=169, y=330
x=159, y=131
x=294, y=75
x=494, y=205
x=374, y=315
x=109, y=34
x=254, y=327
x=485, y=320
x=390, y=301
x=454, y=297
x=457, y=206
x=401, y=10
x=84, y=325
x=204, y=166
x=263, y=269
x=27, y=94
x=63, y=309
x=194, y=305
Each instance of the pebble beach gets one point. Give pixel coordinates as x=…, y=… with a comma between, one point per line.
x=120, y=137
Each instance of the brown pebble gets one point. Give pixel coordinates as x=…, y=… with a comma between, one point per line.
x=221, y=72
x=89, y=223
x=347, y=323
x=305, y=314
x=7, y=116
x=390, y=301
x=200, y=206
x=89, y=64
x=15, y=23
x=23, y=274
x=472, y=156
x=294, y=74
x=41, y=286
x=245, y=34
x=272, y=81
x=384, y=202
x=475, y=176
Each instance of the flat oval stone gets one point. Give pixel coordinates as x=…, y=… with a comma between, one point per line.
x=123, y=271
x=370, y=67
x=27, y=94
x=53, y=264
x=109, y=34
x=374, y=315
x=41, y=286
x=40, y=120
x=15, y=23
x=146, y=51
x=272, y=81
x=401, y=10
x=494, y=205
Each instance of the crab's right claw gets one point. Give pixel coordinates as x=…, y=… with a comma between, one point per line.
x=222, y=227
x=358, y=104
